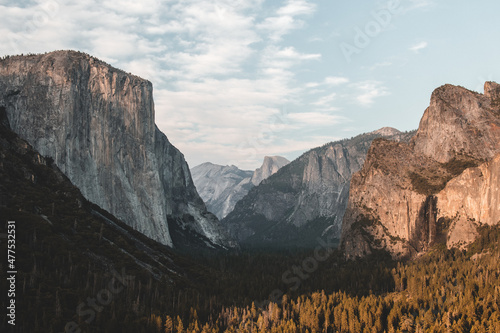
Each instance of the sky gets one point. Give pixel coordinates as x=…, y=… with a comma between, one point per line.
x=237, y=80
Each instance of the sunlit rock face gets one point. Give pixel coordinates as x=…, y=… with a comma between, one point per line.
x=97, y=123
x=436, y=189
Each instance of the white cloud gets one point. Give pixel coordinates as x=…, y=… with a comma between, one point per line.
x=368, y=91
x=411, y=5
x=415, y=4
x=286, y=19
x=336, y=80
x=315, y=118
x=325, y=100
x=221, y=71
x=380, y=65
x=328, y=81
x=296, y=8
x=419, y=46
x=133, y=7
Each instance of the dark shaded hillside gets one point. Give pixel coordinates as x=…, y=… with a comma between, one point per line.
x=69, y=250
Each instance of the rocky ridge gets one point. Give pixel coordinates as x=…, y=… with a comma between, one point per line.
x=97, y=123
x=306, y=198
x=437, y=188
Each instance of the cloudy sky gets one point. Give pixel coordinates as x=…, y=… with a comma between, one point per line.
x=235, y=80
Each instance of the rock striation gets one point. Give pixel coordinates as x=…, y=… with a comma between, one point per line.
x=97, y=123
x=469, y=199
x=306, y=198
x=435, y=189
x=460, y=121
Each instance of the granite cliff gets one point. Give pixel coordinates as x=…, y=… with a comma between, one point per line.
x=97, y=124
x=269, y=167
x=435, y=189
x=221, y=187
x=305, y=199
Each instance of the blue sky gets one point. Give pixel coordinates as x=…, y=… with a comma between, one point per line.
x=237, y=80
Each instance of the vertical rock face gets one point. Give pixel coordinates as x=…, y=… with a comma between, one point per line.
x=408, y=197
x=269, y=167
x=97, y=123
x=470, y=198
x=460, y=121
x=306, y=198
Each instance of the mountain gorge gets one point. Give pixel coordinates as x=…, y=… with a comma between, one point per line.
x=97, y=124
x=305, y=199
x=221, y=187
x=438, y=188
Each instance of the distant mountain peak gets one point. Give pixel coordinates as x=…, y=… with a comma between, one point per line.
x=306, y=199
x=270, y=166
x=221, y=187
x=386, y=131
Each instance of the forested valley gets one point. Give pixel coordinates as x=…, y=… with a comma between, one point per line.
x=81, y=270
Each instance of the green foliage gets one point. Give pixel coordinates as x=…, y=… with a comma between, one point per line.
x=427, y=185
x=430, y=182
x=446, y=290
x=459, y=163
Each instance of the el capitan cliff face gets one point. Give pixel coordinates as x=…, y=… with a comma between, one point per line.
x=437, y=188
x=97, y=123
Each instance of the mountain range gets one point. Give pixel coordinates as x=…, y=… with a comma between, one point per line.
x=402, y=193
x=305, y=199
x=222, y=186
